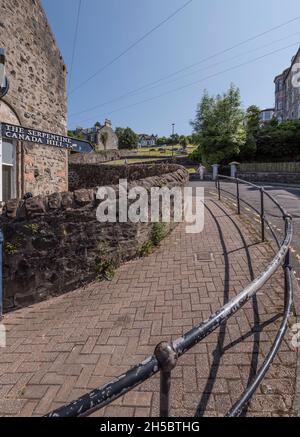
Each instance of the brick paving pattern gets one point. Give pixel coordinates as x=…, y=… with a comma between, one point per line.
x=60, y=349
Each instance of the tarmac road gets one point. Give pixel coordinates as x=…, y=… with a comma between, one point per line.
x=289, y=199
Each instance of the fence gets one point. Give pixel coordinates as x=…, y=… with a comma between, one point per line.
x=270, y=167
x=166, y=355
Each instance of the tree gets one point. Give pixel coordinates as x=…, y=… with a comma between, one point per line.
x=253, y=119
x=127, y=138
x=279, y=142
x=183, y=141
x=162, y=141
x=252, y=123
x=97, y=124
x=219, y=126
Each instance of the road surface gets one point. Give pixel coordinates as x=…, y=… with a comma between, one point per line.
x=289, y=199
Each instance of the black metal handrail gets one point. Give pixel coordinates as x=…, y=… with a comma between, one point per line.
x=166, y=355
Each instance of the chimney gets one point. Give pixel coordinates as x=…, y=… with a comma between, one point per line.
x=108, y=123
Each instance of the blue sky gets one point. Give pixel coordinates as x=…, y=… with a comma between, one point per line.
x=203, y=28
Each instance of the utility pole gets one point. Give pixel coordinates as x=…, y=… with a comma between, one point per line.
x=173, y=133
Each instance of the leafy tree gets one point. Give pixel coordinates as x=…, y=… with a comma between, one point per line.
x=248, y=151
x=128, y=139
x=183, y=141
x=253, y=119
x=97, y=124
x=252, y=123
x=279, y=142
x=76, y=134
x=219, y=126
x=162, y=141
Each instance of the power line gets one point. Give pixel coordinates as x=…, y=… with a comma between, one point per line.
x=198, y=81
x=75, y=40
x=149, y=86
x=131, y=46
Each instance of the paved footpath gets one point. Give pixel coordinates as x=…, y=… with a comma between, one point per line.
x=60, y=349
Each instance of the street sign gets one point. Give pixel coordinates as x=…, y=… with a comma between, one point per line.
x=19, y=133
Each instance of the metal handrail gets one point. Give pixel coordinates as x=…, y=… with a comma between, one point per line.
x=166, y=354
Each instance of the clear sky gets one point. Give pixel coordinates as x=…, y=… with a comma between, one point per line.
x=202, y=29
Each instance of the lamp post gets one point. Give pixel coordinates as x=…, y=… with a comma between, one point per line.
x=173, y=133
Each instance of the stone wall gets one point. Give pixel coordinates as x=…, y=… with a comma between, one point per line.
x=54, y=244
x=88, y=176
x=37, y=95
x=100, y=157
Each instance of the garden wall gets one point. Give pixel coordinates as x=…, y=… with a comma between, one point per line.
x=54, y=244
x=99, y=157
x=88, y=176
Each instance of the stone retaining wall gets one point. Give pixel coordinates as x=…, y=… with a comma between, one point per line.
x=88, y=176
x=100, y=157
x=55, y=244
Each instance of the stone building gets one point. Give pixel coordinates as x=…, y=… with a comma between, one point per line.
x=287, y=95
x=36, y=99
x=266, y=115
x=102, y=137
x=147, y=140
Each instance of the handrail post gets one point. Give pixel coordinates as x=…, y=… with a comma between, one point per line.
x=219, y=188
x=167, y=358
x=262, y=215
x=238, y=196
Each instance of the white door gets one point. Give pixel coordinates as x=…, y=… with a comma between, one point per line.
x=7, y=170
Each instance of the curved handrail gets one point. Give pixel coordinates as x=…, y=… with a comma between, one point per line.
x=103, y=396
x=238, y=407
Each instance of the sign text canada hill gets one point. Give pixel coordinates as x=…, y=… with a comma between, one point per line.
x=19, y=133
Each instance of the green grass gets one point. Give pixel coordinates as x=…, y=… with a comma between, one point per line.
x=191, y=170
x=155, y=152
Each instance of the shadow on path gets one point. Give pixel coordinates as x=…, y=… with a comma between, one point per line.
x=220, y=349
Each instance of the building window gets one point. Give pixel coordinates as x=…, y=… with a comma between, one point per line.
x=7, y=171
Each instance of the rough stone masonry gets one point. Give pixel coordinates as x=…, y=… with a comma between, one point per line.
x=54, y=244
x=37, y=95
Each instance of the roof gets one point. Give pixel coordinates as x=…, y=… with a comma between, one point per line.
x=147, y=137
x=293, y=62
x=287, y=71
x=268, y=109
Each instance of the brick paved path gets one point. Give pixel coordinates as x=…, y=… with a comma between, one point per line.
x=63, y=348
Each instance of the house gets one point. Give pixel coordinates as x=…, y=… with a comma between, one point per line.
x=102, y=137
x=36, y=99
x=147, y=140
x=266, y=115
x=287, y=92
